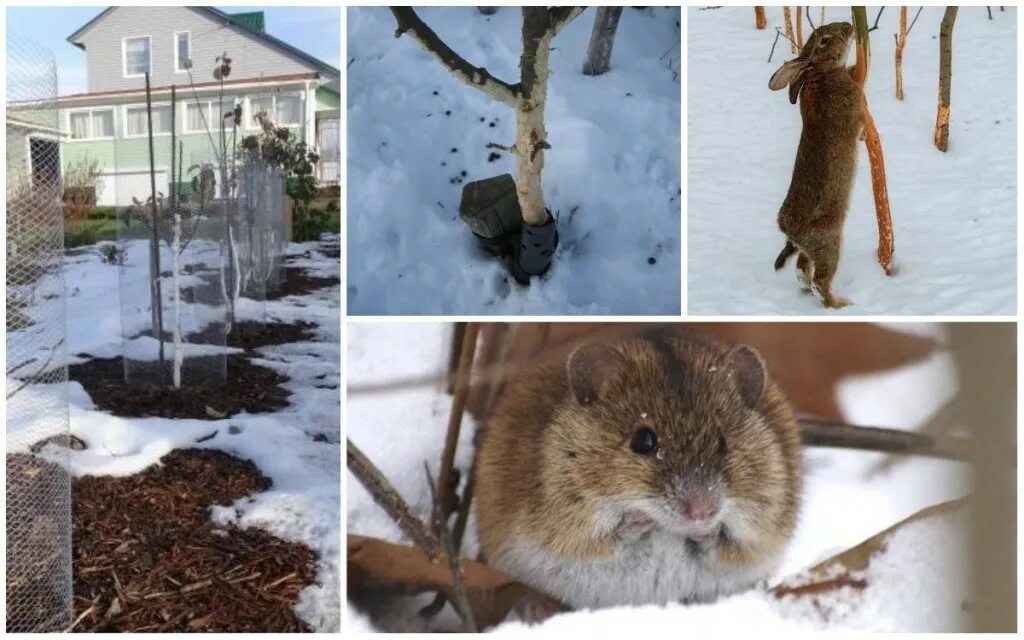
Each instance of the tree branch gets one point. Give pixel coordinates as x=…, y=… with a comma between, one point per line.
x=829, y=433
x=476, y=77
x=561, y=16
x=385, y=495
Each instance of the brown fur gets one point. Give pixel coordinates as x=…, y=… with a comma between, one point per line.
x=814, y=210
x=546, y=457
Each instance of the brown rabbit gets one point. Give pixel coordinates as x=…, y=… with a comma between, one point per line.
x=813, y=212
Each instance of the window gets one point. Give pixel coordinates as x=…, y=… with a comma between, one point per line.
x=197, y=117
x=136, y=120
x=182, y=51
x=285, y=110
x=289, y=110
x=261, y=104
x=92, y=124
x=136, y=54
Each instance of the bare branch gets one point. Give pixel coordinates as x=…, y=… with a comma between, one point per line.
x=39, y=372
x=876, y=19
x=807, y=12
x=914, y=21
x=829, y=433
x=462, y=380
x=476, y=77
x=460, y=597
x=385, y=495
x=561, y=16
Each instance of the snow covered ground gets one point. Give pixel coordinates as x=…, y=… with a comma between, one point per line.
x=612, y=176
x=303, y=505
x=954, y=213
x=848, y=496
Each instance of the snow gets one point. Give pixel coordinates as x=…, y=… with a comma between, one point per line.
x=849, y=495
x=954, y=214
x=612, y=176
x=303, y=504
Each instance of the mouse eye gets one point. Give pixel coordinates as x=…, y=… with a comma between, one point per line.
x=723, y=446
x=644, y=441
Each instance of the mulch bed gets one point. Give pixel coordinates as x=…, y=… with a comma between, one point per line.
x=298, y=281
x=249, y=335
x=147, y=557
x=248, y=387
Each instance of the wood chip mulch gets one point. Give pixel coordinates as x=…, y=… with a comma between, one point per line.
x=147, y=557
x=298, y=282
x=249, y=387
x=249, y=335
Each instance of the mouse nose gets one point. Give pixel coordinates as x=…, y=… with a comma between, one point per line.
x=700, y=507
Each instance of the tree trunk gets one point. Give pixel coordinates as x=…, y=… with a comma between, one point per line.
x=787, y=17
x=599, y=53
x=945, y=78
x=901, y=41
x=800, y=27
x=760, y=21
x=873, y=141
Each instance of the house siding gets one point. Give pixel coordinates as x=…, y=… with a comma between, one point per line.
x=251, y=57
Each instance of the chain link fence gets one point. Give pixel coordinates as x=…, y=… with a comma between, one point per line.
x=39, y=579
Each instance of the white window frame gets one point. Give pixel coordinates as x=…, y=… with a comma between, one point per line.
x=212, y=121
x=206, y=104
x=250, y=115
x=141, y=105
x=124, y=56
x=177, y=69
x=90, y=111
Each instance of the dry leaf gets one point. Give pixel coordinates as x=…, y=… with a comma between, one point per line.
x=492, y=594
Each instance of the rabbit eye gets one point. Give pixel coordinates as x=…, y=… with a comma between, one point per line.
x=824, y=41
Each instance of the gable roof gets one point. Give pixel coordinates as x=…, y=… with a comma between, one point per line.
x=241, y=21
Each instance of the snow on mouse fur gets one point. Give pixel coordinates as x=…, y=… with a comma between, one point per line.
x=611, y=177
x=847, y=499
x=954, y=213
x=303, y=503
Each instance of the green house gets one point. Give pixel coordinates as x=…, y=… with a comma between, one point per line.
x=178, y=47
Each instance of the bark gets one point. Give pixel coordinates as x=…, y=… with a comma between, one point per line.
x=800, y=27
x=760, y=21
x=945, y=78
x=901, y=42
x=787, y=17
x=873, y=141
x=599, y=53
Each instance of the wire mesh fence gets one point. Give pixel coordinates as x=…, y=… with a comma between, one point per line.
x=38, y=496
x=260, y=228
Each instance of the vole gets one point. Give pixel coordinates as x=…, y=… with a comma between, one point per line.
x=814, y=210
x=664, y=467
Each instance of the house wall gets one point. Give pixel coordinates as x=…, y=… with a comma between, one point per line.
x=126, y=156
x=251, y=57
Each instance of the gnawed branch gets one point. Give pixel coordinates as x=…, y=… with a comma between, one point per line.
x=388, y=498
x=477, y=77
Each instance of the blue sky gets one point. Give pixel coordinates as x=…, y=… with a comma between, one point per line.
x=315, y=30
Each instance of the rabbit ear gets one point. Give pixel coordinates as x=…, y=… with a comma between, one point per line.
x=789, y=72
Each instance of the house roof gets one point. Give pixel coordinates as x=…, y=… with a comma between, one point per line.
x=241, y=21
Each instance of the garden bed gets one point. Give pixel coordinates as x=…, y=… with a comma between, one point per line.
x=148, y=558
x=249, y=335
x=248, y=387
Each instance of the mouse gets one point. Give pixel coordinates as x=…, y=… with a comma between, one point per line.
x=657, y=468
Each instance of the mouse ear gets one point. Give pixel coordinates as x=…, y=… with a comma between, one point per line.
x=590, y=367
x=748, y=370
